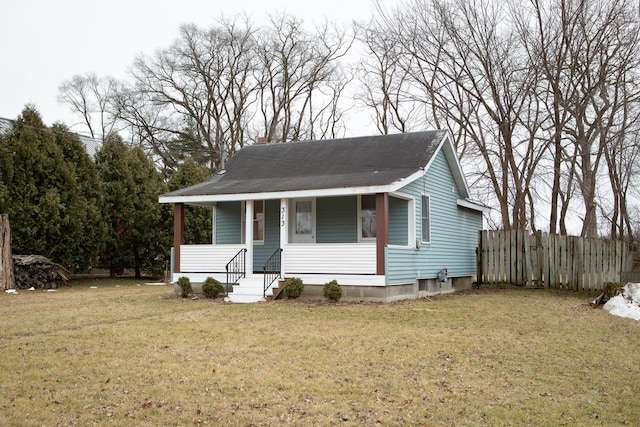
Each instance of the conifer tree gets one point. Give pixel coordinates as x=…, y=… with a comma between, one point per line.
x=48, y=189
x=137, y=235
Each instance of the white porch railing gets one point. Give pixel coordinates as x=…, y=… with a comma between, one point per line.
x=206, y=258
x=330, y=258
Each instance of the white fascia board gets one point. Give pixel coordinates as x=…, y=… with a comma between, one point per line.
x=473, y=205
x=327, y=192
x=454, y=163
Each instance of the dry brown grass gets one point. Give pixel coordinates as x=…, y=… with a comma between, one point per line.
x=135, y=355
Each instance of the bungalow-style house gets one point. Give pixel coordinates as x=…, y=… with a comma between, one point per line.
x=388, y=217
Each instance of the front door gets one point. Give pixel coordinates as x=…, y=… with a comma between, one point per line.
x=303, y=221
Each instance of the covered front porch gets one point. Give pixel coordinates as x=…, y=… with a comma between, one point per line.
x=317, y=239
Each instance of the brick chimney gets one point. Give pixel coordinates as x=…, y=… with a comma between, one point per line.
x=262, y=140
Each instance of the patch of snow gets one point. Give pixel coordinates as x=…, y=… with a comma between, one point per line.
x=93, y=287
x=627, y=304
x=32, y=288
x=156, y=284
x=12, y=291
x=52, y=290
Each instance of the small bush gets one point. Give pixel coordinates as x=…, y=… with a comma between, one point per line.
x=185, y=286
x=293, y=287
x=332, y=290
x=211, y=288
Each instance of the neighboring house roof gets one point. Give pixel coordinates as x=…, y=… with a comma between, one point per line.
x=91, y=145
x=382, y=163
x=5, y=125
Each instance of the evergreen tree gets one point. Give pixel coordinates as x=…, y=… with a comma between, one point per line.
x=137, y=235
x=87, y=230
x=46, y=194
x=6, y=172
x=197, y=219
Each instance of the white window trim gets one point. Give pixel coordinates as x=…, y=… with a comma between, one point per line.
x=411, y=220
x=426, y=242
x=293, y=219
x=243, y=225
x=214, y=213
x=264, y=221
x=359, y=207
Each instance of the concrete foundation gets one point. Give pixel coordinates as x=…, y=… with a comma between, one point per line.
x=422, y=288
x=393, y=292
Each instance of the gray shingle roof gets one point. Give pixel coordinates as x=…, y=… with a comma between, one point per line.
x=311, y=165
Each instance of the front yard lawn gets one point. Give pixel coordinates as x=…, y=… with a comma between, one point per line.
x=124, y=353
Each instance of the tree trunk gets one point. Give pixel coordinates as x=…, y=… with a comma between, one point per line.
x=7, y=280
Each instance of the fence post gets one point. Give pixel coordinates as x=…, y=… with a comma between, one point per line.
x=553, y=260
x=479, y=260
x=527, y=259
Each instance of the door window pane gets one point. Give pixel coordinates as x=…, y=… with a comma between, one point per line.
x=258, y=220
x=304, y=217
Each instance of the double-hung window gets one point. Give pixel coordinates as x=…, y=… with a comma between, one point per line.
x=368, y=216
x=426, y=219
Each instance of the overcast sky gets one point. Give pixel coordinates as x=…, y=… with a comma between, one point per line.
x=44, y=42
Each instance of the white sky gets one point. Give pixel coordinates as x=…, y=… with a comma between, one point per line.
x=45, y=42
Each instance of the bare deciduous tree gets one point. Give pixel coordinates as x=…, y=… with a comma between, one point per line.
x=465, y=65
x=537, y=94
x=92, y=98
x=299, y=78
x=587, y=53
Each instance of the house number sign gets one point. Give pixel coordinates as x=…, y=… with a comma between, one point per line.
x=283, y=215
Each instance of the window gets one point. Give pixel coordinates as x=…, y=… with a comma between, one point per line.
x=304, y=217
x=258, y=220
x=368, y=216
x=426, y=219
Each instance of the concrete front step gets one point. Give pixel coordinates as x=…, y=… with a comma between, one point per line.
x=249, y=289
x=244, y=299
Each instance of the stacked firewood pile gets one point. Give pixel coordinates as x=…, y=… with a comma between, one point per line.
x=35, y=271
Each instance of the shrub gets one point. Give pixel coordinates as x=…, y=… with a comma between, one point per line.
x=332, y=290
x=185, y=286
x=211, y=288
x=293, y=287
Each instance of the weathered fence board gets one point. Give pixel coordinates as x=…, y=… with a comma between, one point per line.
x=552, y=261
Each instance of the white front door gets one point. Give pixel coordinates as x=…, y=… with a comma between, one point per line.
x=303, y=221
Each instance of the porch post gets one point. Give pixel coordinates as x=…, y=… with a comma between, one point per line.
x=382, y=230
x=284, y=231
x=248, y=233
x=178, y=234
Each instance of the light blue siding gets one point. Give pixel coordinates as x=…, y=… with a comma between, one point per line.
x=229, y=223
x=337, y=219
x=454, y=231
x=262, y=251
x=398, y=221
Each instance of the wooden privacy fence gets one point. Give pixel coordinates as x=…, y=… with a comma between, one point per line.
x=552, y=261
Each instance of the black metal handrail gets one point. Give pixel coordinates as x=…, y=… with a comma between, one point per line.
x=236, y=268
x=271, y=270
